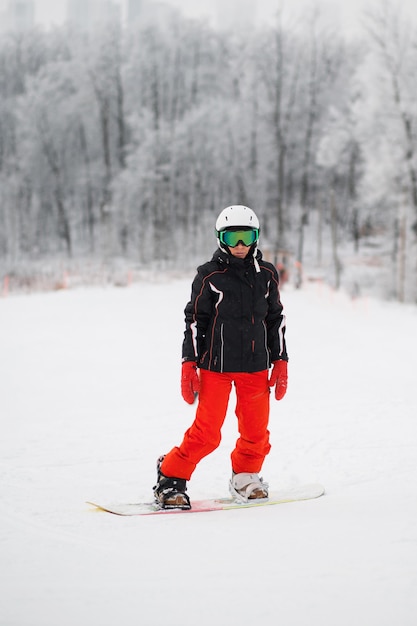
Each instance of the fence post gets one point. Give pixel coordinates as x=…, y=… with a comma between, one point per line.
x=5, y=290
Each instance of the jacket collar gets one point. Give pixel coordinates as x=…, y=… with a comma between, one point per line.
x=224, y=257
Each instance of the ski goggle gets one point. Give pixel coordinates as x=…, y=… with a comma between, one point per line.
x=232, y=237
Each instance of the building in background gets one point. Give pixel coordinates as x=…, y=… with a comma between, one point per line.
x=148, y=10
x=17, y=15
x=236, y=14
x=85, y=15
x=134, y=10
x=77, y=12
x=2, y=16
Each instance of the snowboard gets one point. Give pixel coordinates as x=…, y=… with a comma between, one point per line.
x=291, y=494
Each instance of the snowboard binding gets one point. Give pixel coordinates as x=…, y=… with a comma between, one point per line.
x=170, y=492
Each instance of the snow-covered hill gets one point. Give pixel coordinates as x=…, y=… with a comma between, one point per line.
x=90, y=397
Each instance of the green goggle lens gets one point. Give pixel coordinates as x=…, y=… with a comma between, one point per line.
x=232, y=237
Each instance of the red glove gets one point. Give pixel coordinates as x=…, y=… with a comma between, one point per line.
x=190, y=382
x=279, y=378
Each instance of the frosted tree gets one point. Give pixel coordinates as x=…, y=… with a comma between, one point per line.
x=394, y=42
x=21, y=58
x=46, y=130
x=321, y=86
x=279, y=65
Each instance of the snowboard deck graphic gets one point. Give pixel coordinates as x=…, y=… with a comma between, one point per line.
x=292, y=494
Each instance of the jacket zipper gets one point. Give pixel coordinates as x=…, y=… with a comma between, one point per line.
x=221, y=347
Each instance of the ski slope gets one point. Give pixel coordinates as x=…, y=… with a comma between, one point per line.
x=90, y=397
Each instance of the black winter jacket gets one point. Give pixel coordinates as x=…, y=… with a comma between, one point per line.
x=234, y=320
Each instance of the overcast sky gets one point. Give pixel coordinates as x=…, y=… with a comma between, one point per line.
x=347, y=11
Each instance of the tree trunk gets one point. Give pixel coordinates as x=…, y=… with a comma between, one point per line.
x=88, y=184
x=336, y=260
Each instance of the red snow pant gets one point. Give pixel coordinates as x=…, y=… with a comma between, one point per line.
x=204, y=435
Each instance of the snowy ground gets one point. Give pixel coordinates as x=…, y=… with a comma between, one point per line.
x=90, y=397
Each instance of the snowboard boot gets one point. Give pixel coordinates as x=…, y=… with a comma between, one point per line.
x=169, y=492
x=244, y=487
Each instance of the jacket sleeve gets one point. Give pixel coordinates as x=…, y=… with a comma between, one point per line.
x=275, y=321
x=197, y=312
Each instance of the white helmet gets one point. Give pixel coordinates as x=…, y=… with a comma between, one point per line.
x=240, y=217
x=236, y=215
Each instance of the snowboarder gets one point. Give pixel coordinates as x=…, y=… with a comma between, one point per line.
x=234, y=332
